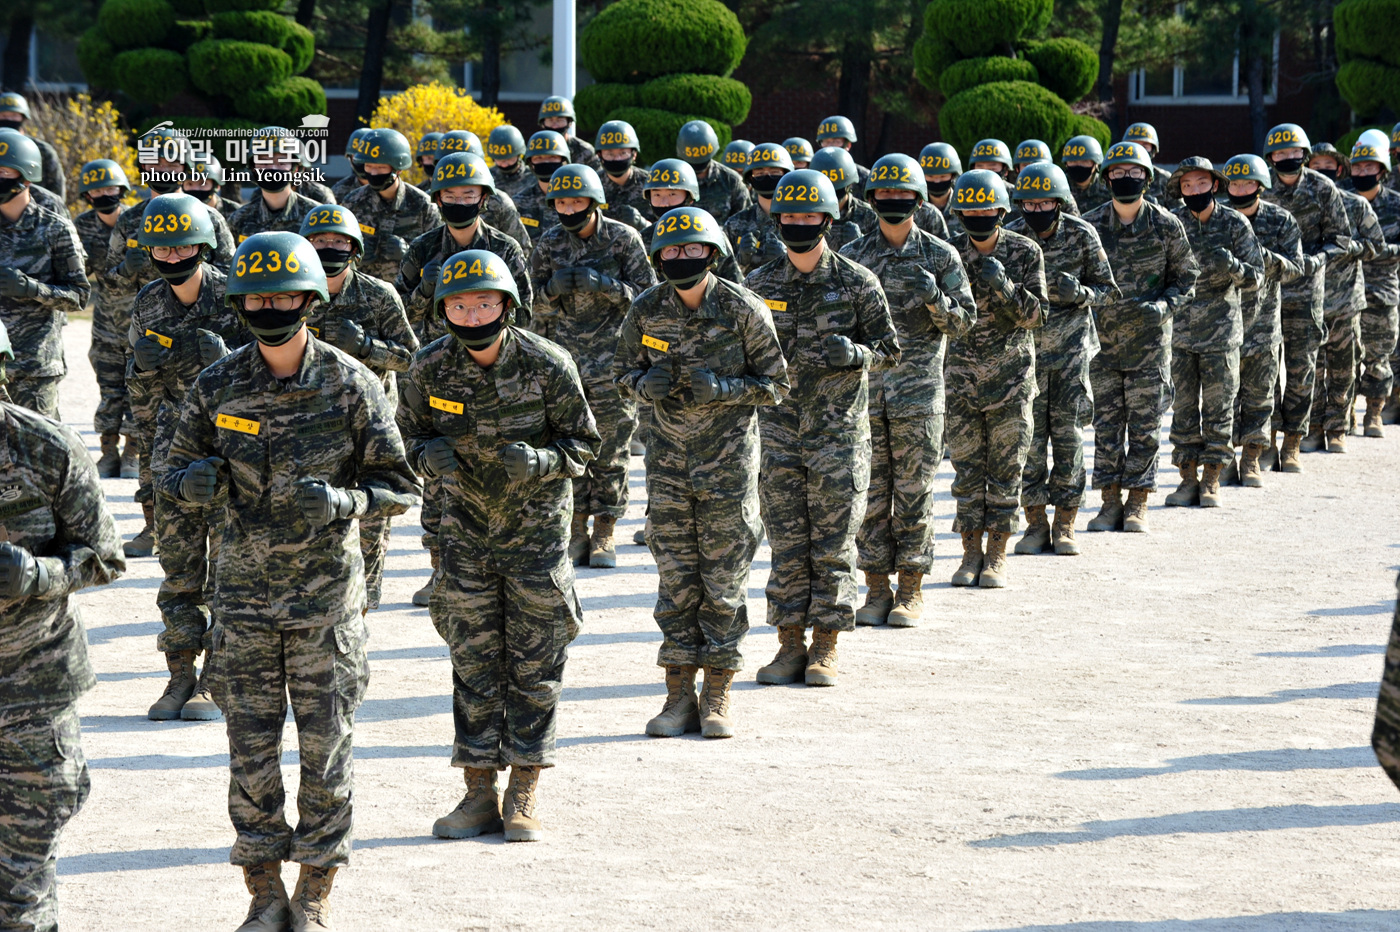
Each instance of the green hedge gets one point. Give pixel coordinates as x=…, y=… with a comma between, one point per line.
x=1082, y=124
x=710, y=95
x=228, y=66
x=1368, y=29
x=594, y=102
x=271, y=29
x=187, y=32
x=96, y=56
x=657, y=130
x=152, y=75
x=1006, y=110
x=978, y=27
x=1369, y=85
x=283, y=103
x=133, y=23
x=1346, y=142
x=933, y=54
x=1066, y=66
x=634, y=40
x=224, y=6
x=971, y=72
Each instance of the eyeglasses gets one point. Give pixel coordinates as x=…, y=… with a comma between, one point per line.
x=471, y=197
x=690, y=250
x=164, y=253
x=483, y=311
x=1037, y=207
x=1116, y=172
x=278, y=302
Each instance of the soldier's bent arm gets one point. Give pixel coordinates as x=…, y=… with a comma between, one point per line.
x=69, y=289
x=415, y=421
x=86, y=549
x=637, y=273
x=1250, y=278
x=766, y=379
x=541, y=271
x=961, y=312
x=411, y=267
x=1179, y=277
x=1097, y=274
x=876, y=326
x=570, y=420
x=1335, y=225
x=393, y=349
x=222, y=259
x=386, y=481
x=629, y=362
x=1286, y=254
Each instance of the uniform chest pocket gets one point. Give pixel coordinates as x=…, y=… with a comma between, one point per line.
x=241, y=441
x=522, y=414
x=724, y=353
x=26, y=517
x=836, y=317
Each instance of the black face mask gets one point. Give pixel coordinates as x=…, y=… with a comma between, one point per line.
x=16, y=125
x=1288, y=166
x=177, y=273
x=10, y=188
x=1041, y=220
x=683, y=272
x=895, y=210
x=334, y=260
x=940, y=188
x=1365, y=182
x=1243, y=202
x=481, y=336
x=1198, y=202
x=576, y=222
x=765, y=185
x=544, y=170
x=1079, y=174
x=106, y=203
x=164, y=187
x=272, y=327
x=617, y=166
x=1330, y=174
x=1126, y=190
x=980, y=228
x=801, y=237
x=358, y=170
x=268, y=181
x=460, y=216
x=381, y=182
x=201, y=196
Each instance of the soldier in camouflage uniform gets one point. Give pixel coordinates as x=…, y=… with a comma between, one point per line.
x=506, y=147
x=1207, y=332
x=1155, y=272
x=736, y=154
x=1081, y=157
x=754, y=230
x=499, y=211
x=930, y=299
x=941, y=165
x=302, y=441
x=14, y=112
x=994, y=156
x=277, y=206
x=58, y=538
x=356, y=179
x=427, y=156
x=364, y=319
x=206, y=178
x=41, y=279
x=498, y=415
x=179, y=324
x=1277, y=234
x=857, y=218
x=392, y=212
x=838, y=132
x=673, y=184
x=1326, y=233
x=1032, y=152
x=623, y=178
x=584, y=273
x=1145, y=135
x=557, y=114
x=799, y=149
x=1079, y=279
x=1370, y=164
x=722, y=191
x=834, y=326
x=1385, y=734
x=703, y=352
x=546, y=152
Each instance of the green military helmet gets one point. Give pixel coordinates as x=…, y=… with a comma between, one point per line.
x=176, y=220
x=460, y=140
x=207, y=168
x=1042, y=181
x=1126, y=153
x=460, y=169
x=428, y=145
x=101, y=173
x=576, y=180
x=1142, y=134
x=1195, y=163
x=287, y=144
x=505, y=142
x=673, y=175
x=768, y=155
x=992, y=150
x=548, y=142
x=159, y=136
x=836, y=164
x=1326, y=148
x=474, y=270
x=383, y=146
x=333, y=218
x=682, y=225
x=1371, y=150
x=617, y=134
x=272, y=262
x=1249, y=167
x=697, y=143
x=1078, y=148
x=355, y=134
x=799, y=148
x=736, y=155
x=1029, y=151
x=980, y=189
x=10, y=102
x=1375, y=138
x=557, y=107
x=805, y=191
x=896, y=172
x=1286, y=136
x=939, y=158
x=836, y=127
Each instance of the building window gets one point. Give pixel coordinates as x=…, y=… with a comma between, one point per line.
x=1201, y=84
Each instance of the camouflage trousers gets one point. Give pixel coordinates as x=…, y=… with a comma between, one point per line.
x=1203, y=412
x=1254, y=405
x=989, y=448
x=812, y=502
x=430, y=515
x=602, y=490
x=508, y=635
x=187, y=541
x=374, y=544
x=1128, y=407
x=37, y=393
x=1302, y=335
x=108, y=355
x=1062, y=406
x=43, y=783
x=1335, y=380
x=1385, y=734
x=703, y=541
x=325, y=672
x=897, y=533
x=1378, y=335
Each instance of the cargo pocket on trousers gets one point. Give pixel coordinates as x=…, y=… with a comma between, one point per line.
x=568, y=612
x=351, y=665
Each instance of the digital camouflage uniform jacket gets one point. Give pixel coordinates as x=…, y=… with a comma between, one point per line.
x=722, y=191
x=1322, y=218
x=375, y=306
x=1069, y=339
x=1212, y=321
x=630, y=193
x=408, y=214
x=1277, y=234
x=44, y=246
x=1382, y=288
x=437, y=245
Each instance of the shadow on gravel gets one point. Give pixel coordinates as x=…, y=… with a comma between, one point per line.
x=1376, y=608
x=1330, y=650
x=411, y=653
x=148, y=859
x=1275, y=761
x=1365, y=689
x=130, y=630
x=1359, y=920
x=290, y=758
x=1205, y=822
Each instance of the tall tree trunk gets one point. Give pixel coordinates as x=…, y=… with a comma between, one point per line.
x=491, y=58
x=306, y=16
x=1329, y=112
x=372, y=73
x=21, y=30
x=1111, y=13
x=853, y=92
x=1255, y=55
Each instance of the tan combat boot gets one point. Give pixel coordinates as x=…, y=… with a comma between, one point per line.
x=1135, y=513
x=1288, y=458
x=1210, y=485
x=143, y=544
x=994, y=573
x=131, y=459
x=1313, y=442
x=1269, y=461
x=311, y=908
x=201, y=706
x=1336, y=441
x=479, y=812
x=1372, y=425
x=1037, y=536
x=109, y=464
x=270, y=908
x=908, y=608
x=602, y=552
x=1062, y=533
x=681, y=713
x=578, y=540
x=1391, y=412
x=519, y=809
x=790, y=661
x=1251, y=469
x=971, y=565
x=1110, y=516
x=714, y=704
x=425, y=595
x=879, y=600
x=178, y=690
x=821, y=659
x=1189, y=491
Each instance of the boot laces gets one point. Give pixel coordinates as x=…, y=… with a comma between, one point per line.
x=313, y=895
x=522, y=797
x=716, y=697
x=261, y=886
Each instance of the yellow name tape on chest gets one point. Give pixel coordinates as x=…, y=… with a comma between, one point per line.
x=162, y=340
x=660, y=346
x=776, y=305
x=528, y=222
x=442, y=404
x=366, y=229
x=240, y=424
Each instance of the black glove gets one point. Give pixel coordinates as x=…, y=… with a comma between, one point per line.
x=212, y=347
x=591, y=280
x=427, y=284
x=747, y=251
x=1068, y=290
x=136, y=261
x=201, y=480
x=15, y=284
x=440, y=457
x=392, y=248
x=21, y=575
x=347, y=336
x=772, y=249
x=841, y=353
x=523, y=461
x=150, y=354
x=655, y=383
x=322, y=503
x=1225, y=261
x=993, y=275
x=708, y=387
x=927, y=292
x=560, y=283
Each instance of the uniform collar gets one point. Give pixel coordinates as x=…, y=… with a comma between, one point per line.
x=505, y=365
x=306, y=376
x=824, y=264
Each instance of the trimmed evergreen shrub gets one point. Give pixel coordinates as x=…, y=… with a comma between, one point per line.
x=971, y=72
x=133, y=23
x=634, y=40
x=155, y=75
x=232, y=67
x=1066, y=66
x=710, y=95
x=657, y=130
x=1006, y=110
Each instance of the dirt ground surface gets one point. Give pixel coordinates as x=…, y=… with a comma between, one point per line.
x=1168, y=733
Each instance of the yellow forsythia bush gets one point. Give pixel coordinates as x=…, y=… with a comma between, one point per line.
x=434, y=108
x=81, y=131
